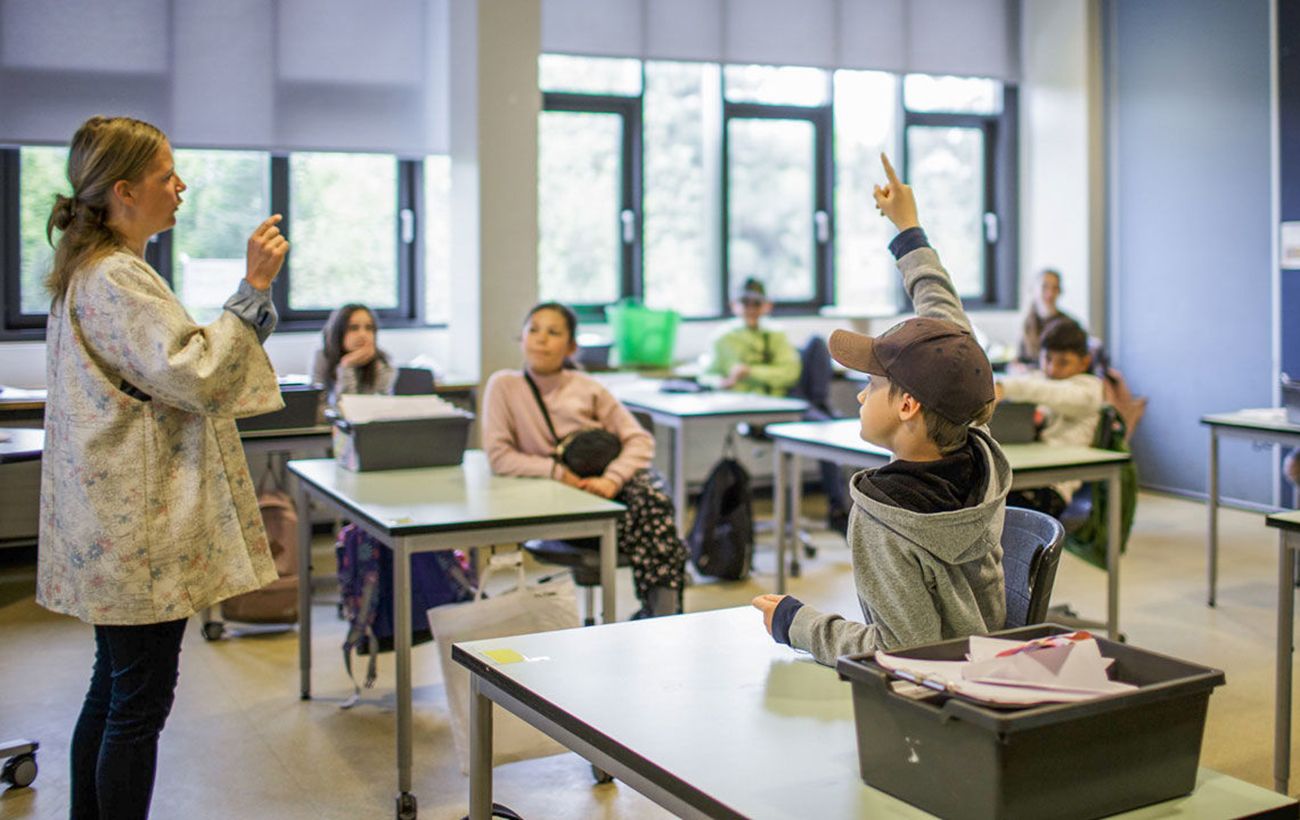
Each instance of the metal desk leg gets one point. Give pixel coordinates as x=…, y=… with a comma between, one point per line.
x=402, y=649
x=304, y=587
x=608, y=568
x=1285, y=626
x=679, y=475
x=1114, y=538
x=1212, y=508
x=480, y=751
x=779, y=460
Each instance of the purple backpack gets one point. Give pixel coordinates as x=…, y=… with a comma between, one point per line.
x=366, y=588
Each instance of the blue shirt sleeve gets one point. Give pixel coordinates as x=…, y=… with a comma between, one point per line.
x=908, y=241
x=254, y=307
x=784, y=617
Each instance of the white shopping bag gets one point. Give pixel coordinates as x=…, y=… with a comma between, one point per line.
x=523, y=610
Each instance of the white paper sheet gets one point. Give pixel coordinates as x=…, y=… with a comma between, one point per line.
x=360, y=408
x=1069, y=673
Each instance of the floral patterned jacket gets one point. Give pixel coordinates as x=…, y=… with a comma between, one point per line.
x=148, y=513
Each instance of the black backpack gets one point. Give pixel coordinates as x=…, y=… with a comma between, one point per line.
x=722, y=538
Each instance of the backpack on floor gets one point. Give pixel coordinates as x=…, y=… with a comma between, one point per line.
x=366, y=588
x=722, y=538
x=277, y=602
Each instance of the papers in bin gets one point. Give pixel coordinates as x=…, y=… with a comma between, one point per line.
x=361, y=408
x=1016, y=673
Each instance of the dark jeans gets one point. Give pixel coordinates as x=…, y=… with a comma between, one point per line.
x=115, y=744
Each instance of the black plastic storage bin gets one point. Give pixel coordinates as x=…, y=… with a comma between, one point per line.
x=402, y=443
x=301, y=403
x=956, y=758
x=1291, y=398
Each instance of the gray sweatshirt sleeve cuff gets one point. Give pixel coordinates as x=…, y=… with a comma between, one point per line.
x=254, y=307
x=783, y=617
x=908, y=241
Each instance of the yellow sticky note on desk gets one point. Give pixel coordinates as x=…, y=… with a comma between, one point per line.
x=504, y=656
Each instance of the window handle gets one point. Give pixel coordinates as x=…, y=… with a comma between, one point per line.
x=407, y=216
x=822, y=224
x=990, y=227
x=628, y=219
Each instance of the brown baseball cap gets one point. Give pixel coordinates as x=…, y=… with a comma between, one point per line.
x=938, y=362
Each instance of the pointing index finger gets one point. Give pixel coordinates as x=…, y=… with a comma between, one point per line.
x=889, y=169
x=269, y=222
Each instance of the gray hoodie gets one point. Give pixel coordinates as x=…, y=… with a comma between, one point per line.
x=920, y=577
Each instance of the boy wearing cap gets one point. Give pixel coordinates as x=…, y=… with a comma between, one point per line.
x=925, y=530
x=752, y=358
x=1071, y=397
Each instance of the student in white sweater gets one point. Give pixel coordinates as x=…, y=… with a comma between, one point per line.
x=1071, y=399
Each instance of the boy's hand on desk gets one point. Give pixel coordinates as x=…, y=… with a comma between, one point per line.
x=739, y=372
x=895, y=200
x=596, y=485
x=767, y=605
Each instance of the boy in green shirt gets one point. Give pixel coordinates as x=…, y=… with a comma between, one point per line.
x=752, y=358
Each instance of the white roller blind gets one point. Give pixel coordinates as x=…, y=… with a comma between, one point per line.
x=965, y=37
x=281, y=76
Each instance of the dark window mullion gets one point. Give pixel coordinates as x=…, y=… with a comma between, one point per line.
x=410, y=194
x=280, y=205
x=10, y=245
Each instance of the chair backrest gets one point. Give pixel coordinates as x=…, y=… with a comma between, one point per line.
x=1031, y=550
x=644, y=419
x=413, y=381
x=815, y=374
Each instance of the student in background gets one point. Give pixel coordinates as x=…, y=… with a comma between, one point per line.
x=147, y=509
x=349, y=360
x=519, y=442
x=757, y=359
x=751, y=357
x=925, y=529
x=1041, y=311
x=1071, y=397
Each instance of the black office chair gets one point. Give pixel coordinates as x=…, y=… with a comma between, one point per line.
x=1031, y=551
x=582, y=555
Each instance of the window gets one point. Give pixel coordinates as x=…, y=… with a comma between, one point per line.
x=352, y=219
x=437, y=239
x=960, y=149
x=866, y=282
x=341, y=216
x=777, y=182
x=680, y=256
x=229, y=192
x=31, y=178
x=589, y=183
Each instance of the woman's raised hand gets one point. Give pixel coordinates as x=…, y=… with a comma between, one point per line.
x=267, y=248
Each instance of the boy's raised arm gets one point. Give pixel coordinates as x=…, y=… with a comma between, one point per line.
x=928, y=284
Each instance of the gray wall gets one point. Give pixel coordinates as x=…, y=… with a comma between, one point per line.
x=1190, y=282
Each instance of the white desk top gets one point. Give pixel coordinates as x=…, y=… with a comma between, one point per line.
x=710, y=701
x=1284, y=520
x=463, y=497
x=1256, y=418
x=644, y=394
x=21, y=444
x=844, y=434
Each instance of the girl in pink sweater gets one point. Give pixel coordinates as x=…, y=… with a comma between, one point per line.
x=519, y=442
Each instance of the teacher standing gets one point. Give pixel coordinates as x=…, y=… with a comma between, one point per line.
x=148, y=513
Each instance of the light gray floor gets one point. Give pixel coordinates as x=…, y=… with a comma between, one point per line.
x=240, y=744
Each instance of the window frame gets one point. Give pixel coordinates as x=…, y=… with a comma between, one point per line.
x=19, y=326
x=822, y=119
x=631, y=283
x=1000, y=288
